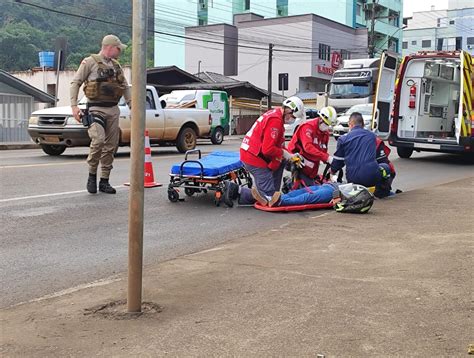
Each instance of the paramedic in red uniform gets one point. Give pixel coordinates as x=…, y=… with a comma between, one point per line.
x=311, y=141
x=263, y=154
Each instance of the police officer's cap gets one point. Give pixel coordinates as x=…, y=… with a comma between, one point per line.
x=112, y=40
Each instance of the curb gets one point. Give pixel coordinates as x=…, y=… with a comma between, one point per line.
x=13, y=146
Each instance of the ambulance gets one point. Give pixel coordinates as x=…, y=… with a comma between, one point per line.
x=429, y=105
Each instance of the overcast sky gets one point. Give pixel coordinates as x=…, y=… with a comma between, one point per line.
x=409, y=6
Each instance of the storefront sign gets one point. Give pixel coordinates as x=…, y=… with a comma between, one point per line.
x=326, y=70
x=336, y=60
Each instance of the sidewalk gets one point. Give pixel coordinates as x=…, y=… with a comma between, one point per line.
x=394, y=282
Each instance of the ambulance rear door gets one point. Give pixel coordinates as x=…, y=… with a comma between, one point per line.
x=463, y=124
x=383, y=102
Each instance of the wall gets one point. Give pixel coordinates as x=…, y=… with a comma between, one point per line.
x=40, y=80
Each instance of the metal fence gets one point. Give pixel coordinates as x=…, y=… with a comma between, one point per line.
x=14, y=113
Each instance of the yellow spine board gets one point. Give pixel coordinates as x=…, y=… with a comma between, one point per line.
x=467, y=95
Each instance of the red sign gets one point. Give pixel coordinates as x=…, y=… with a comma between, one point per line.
x=326, y=70
x=336, y=60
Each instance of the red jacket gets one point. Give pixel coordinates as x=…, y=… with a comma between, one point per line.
x=264, y=142
x=312, y=144
x=382, y=154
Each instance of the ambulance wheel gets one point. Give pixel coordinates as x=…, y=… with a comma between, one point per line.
x=189, y=191
x=217, y=136
x=173, y=195
x=404, y=152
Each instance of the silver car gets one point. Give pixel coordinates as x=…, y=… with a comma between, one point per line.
x=342, y=124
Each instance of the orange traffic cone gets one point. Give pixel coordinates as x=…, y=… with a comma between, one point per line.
x=149, y=178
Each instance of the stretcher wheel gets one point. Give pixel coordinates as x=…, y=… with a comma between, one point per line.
x=173, y=195
x=189, y=191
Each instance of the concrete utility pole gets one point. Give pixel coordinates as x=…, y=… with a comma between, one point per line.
x=270, y=55
x=136, y=200
x=372, y=31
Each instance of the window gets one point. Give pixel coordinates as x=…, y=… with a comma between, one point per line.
x=345, y=55
x=324, y=52
x=358, y=9
x=202, y=22
x=425, y=43
x=451, y=22
x=247, y=5
x=470, y=41
x=404, y=45
x=413, y=43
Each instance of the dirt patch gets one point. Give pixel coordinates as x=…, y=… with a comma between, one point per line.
x=117, y=310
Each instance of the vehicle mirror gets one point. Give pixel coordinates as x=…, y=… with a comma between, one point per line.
x=163, y=103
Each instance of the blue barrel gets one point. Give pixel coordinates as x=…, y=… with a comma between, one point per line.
x=46, y=59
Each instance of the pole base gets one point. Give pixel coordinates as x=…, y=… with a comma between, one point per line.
x=147, y=185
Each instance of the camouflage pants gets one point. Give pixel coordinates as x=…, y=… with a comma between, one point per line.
x=103, y=142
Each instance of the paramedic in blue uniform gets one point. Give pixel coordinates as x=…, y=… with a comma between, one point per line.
x=357, y=150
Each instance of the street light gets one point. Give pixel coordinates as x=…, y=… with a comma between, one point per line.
x=400, y=28
x=199, y=66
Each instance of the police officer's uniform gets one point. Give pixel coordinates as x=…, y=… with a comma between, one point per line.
x=104, y=85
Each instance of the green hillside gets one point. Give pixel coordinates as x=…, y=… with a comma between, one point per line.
x=25, y=30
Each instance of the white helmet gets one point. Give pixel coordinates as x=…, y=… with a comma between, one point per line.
x=296, y=105
x=328, y=115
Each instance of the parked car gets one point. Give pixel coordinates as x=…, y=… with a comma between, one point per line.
x=292, y=127
x=54, y=129
x=342, y=123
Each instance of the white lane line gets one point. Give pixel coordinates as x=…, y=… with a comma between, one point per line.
x=83, y=162
x=68, y=291
x=49, y=195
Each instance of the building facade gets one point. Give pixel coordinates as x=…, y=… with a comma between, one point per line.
x=304, y=50
x=172, y=17
x=441, y=30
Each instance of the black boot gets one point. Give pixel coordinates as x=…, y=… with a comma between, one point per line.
x=105, y=187
x=231, y=193
x=92, y=183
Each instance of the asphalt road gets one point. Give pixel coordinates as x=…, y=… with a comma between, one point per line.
x=56, y=236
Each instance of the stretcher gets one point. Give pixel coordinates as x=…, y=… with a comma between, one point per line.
x=294, y=207
x=206, y=174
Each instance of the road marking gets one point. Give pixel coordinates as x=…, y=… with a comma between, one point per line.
x=68, y=291
x=81, y=162
x=48, y=195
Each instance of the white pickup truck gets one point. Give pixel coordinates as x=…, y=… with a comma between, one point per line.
x=54, y=129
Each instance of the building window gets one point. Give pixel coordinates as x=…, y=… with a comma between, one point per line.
x=413, y=43
x=470, y=41
x=451, y=22
x=282, y=7
x=425, y=43
x=247, y=5
x=404, y=45
x=324, y=52
x=202, y=22
x=358, y=9
x=345, y=55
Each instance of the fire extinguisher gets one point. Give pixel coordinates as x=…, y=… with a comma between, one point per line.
x=412, y=98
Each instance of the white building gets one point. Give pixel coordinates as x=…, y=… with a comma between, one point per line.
x=441, y=30
x=304, y=48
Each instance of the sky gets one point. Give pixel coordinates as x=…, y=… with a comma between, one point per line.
x=410, y=6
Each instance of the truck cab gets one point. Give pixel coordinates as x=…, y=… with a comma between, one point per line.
x=428, y=106
x=353, y=84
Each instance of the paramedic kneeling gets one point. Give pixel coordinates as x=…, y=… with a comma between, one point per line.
x=311, y=141
x=263, y=154
x=357, y=150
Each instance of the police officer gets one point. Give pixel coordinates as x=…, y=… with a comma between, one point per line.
x=104, y=85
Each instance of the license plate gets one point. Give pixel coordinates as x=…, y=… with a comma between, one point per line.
x=427, y=146
x=51, y=139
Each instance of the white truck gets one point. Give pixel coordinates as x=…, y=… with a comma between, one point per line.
x=353, y=84
x=55, y=129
